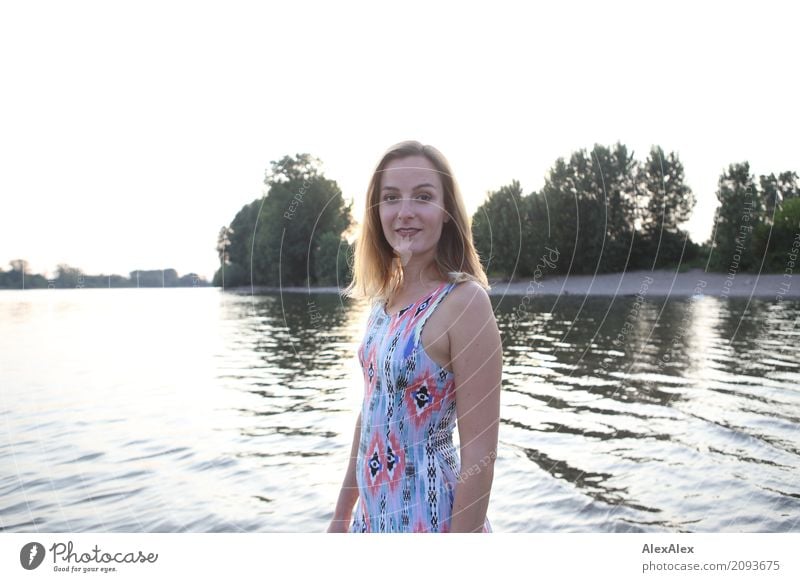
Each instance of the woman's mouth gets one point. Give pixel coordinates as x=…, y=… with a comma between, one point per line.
x=407, y=231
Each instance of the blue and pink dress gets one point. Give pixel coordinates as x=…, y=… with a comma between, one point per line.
x=407, y=466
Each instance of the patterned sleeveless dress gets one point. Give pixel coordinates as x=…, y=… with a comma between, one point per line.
x=407, y=466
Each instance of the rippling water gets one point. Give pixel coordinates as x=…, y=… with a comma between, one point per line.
x=162, y=410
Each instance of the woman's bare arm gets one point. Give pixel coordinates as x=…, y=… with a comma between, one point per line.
x=476, y=352
x=349, y=491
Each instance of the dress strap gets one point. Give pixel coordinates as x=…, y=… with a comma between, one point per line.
x=429, y=311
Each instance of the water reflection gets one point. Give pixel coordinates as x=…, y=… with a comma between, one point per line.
x=195, y=410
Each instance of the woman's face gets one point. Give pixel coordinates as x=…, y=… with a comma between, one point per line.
x=411, y=197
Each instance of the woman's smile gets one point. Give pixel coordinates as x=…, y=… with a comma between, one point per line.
x=407, y=232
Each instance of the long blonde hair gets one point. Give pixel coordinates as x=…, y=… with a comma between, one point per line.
x=377, y=271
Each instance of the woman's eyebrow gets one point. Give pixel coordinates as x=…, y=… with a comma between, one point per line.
x=417, y=187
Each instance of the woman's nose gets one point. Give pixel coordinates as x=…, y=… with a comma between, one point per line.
x=406, y=208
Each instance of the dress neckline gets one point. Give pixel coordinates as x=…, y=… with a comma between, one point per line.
x=407, y=307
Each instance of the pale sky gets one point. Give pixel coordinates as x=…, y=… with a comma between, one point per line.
x=130, y=132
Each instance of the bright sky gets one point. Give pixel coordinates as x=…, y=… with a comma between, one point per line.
x=130, y=132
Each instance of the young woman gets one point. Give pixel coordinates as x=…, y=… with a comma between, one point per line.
x=416, y=261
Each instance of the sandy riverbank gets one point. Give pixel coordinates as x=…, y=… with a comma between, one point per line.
x=649, y=283
x=661, y=283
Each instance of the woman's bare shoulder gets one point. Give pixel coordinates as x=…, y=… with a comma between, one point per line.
x=470, y=296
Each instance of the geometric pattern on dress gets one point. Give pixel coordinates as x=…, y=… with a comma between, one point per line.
x=407, y=467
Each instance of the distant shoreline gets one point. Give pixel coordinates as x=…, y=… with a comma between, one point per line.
x=662, y=284
x=657, y=283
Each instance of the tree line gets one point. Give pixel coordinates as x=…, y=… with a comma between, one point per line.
x=603, y=211
x=67, y=277
x=599, y=211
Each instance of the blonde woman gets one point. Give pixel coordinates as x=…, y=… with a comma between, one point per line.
x=416, y=262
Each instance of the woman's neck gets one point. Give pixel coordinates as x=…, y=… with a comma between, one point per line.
x=420, y=277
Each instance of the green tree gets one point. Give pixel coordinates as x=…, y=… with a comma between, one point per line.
x=239, y=247
x=739, y=213
x=788, y=185
x=276, y=240
x=223, y=245
x=154, y=278
x=301, y=206
x=17, y=276
x=537, y=237
x=614, y=172
x=774, y=241
x=497, y=231
x=668, y=204
x=774, y=190
x=560, y=195
x=592, y=207
x=223, y=242
x=333, y=260
x=69, y=277
x=770, y=196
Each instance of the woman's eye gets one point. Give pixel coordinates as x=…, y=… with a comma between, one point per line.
x=425, y=196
